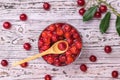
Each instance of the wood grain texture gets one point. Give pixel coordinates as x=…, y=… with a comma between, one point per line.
x=11, y=41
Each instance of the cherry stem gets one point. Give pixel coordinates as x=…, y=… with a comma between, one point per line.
x=108, y=5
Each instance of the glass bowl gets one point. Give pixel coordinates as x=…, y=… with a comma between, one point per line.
x=54, y=33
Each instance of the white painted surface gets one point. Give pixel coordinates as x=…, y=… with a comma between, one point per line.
x=11, y=41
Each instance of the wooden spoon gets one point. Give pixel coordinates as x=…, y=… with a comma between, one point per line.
x=52, y=50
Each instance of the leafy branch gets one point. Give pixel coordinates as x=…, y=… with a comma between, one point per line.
x=105, y=22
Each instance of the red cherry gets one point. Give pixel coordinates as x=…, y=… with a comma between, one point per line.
x=62, y=46
x=78, y=44
x=102, y=8
x=50, y=59
x=54, y=37
x=46, y=6
x=82, y=11
x=45, y=57
x=67, y=35
x=68, y=53
x=114, y=74
x=7, y=25
x=23, y=17
x=97, y=15
x=45, y=47
x=73, y=30
x=57, y=62
x=75, y=35
x=4, y=63
x=62, y=58
x=40, y=43
x=48, y=77
x=92, y=58
x=74, y=49
x=49, y=33
x=47, y=41
x=70, y=59
x=44, y=34
x=52, y=27
x=83, y=67
x=70, y=41
x=108, y=49
x=67, y=27
x=24, y=65
x=59, y=31
x=81, y=2
x=59, y=25
x=27, y=46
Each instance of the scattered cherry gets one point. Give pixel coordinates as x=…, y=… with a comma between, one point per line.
x=92, y=58
x=46, y=6
x=114, y=74
x=4, y=63
x=23, y=17
x=97, y=15
x=48, y=77
x=81, y=2
x=62, y=46
x=82, y=11
x=27, y=46
x=102, y=8
x=24, y=65
x=7, y=25
x=108, y=49
x=83, y=67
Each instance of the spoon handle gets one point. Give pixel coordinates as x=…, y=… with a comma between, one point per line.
x=31, y=58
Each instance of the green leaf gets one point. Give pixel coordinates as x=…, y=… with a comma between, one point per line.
x=89, y=13
x=105, y=22
x=118, y=25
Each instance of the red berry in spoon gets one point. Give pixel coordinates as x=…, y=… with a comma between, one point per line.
x=27, y=46
x=7, y=25
x=24, y=65
x=82, y=11
x=4, y=63
x=48, y=77
x=23, y=17
x=114, y=74
x=81, y=2
x=46, y=6
x=62, y=46
x=97, y=15
x=83, y=67
x=102, y=8
x=93, y=58
x=108, y=49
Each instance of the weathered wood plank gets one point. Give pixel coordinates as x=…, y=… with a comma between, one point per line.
x=11, y=41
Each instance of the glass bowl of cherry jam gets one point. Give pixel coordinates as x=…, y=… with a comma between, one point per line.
x=54, y=33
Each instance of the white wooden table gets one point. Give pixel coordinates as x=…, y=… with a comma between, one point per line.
x=11, y=41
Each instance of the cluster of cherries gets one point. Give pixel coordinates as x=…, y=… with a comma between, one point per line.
x=101, y=9
x=54, y=33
